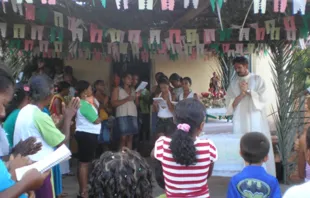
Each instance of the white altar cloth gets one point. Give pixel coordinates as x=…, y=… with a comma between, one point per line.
x=216, y=111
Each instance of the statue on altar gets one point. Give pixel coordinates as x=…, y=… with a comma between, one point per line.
x=214, y=83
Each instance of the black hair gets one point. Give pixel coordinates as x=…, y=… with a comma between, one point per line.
x=188, y=79
x=81, y=86
x=308, y=138
x=40, y=87
x=62, y=85
x=192, y=112
x=121, y=174
x=158, y=74
x=163, y=80
x=20, y=93
x=96, y=83
x=254, y=147
x=175, y=76
x=124, y=75
x=241, y=60
x=6, y=79
x=68, y=70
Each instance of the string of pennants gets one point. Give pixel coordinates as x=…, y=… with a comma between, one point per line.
x=259, y=6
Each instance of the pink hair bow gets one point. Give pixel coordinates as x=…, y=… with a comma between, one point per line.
x=184, y=127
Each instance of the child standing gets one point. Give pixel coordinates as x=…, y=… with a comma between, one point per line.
x=187, y=161
x=253, y=179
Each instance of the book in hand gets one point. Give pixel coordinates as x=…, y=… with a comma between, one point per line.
x=48, y=162
x=141, y=86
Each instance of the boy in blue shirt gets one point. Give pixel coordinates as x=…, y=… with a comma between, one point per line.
x=253, y=180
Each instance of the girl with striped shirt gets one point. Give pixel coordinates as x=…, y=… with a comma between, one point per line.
x=187, y=161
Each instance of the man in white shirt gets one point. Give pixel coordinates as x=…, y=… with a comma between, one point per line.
x=303, y=190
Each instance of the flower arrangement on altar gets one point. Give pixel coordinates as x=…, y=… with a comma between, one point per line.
x=214, y=98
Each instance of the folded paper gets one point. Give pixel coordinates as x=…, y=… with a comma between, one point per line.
x=251, y=48
x=28, y=45
x=231, y=53
x=191, y=36
x=58, y=19
x=135, y=50
x=225, y=34
x=19, y=31
x=260, y=34
x=176, y=34
x=163, y=48
x=216, y=2
x=145, y=4
x=225, y=47
x=43, y=46
x=17, y=7
x=209, y=36
x=118, y=4
x=187, y=2
x=14, y=44
x=155, y=36
x=289, y=23
x=239, y=48
x=74, y=23
x=299, y=6
x=275, y=33
x=279, y=5
x=95, y=34
x=260, y=5
x=50, y=2
x=115, y=35
x=41, y=14
x=134, y=36
x=269, y=25
x=167, y=4
x=30, y=12
x=123, y=48
x=244, y=34
x=291, y=35
x=3, y=28
x=104, y=3
x=37, y=32
x=56, y=33
x=77, y=34
x=58, y=46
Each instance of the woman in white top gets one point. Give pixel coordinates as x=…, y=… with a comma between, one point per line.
x=88, y=126
x=124, y=99
x=187, y=92
x=164, y=124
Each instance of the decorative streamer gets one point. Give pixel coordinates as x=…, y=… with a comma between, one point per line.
x=15, y=44
x=41, y=14
x=17, y=8
x=77, y=34
x=289, y=23
x=270, y=24
x=218, y=8
x=291, y=35
x=213, y=4
x=135, y=50
x=209, y=36
x=244, y=33
x=170, y=45
x=275, y=33
x=37, y=30
x=167, y=4
x=104, y=3
x=303, y=32
x=145, y=56
x=187, y=2
x=50, y=2
x=118, y=4
x=123, y=48
x=115, y=35
x=59, y=32
x=231, y=53
x=200, y=49
x=122, y=36
x=254, y=25
x=299, y=6
x=74, y=23
x=191, y=36
x=3, y=28
x=177, y=35
x=134, y=36
x=162, y=49
x=145, y=4
x=251, y=48
x=43, y=46
x=239, y=48
x=178, y=48
x=155, y=36
x=58, y=46
x=260, y=5
x=279, y=5
x=58, y=19
x=30, y=12
x=28, y=45
x=36, y=52
x=95, y=33
x=3, y=7
x=19, y=31
x=225, y=47
x=225, y=34
x=260, y=34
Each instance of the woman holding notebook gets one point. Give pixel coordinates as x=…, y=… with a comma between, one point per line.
x=163, y=104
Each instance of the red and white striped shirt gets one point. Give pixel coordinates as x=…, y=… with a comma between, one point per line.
x=186, y=181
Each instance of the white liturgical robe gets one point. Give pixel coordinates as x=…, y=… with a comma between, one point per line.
x=248, y=115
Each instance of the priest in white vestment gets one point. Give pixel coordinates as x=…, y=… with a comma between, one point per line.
x=246, y=99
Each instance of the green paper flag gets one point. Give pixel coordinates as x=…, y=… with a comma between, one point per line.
x=303, y=32
x=104, y=3
x=214, y=2
x=305, y=19
x=225, y=34
x=145, y=43
x=215, y=46
x=14, y=44
x=41, y=14
x=85, y=45
x=59, y=32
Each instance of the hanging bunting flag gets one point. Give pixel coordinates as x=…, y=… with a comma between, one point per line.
x=260, y=34
x=170, y=45
x=244, y=33
x=145, y=56
x=302, y=43
x=14, y=44
x=27, y=1
x=200, y=50
x=58, y=19
x=58, y=46
x=145, y=4
x=191, y=36
x=37, y=30
x=28, y=45
x=74, y=23
x=155, y=36
x=253, y=25
x=279, y=5
x=50, y=2
x=289, y=23
x=30, y=12
x=135, y=50
x=178, y=48
x=231, y=53
x=104, y=3
x=176, y=34
x=303, y=32
x=225, y=34
x=19, y=31
x=41, y=14
x=115, y=35
x=123, y=48
x=291, y=35
x=3, y=28
x=43, y=46
x=275, y=33
x=239, y=48
x=162, y=49
x=95, y=34
x=225, y=47
x=134, y=36
x=17, y=7
x=260, y=5
x=214, y=2
x=118, y=4
x=270, y=24
x=299, y=6
x=167, y=4
x=77, y=34
x=187, y=2
x=59, y=32
x=209, y=36
x=251, y=48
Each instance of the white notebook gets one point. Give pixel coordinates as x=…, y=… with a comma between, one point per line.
x=48, y=162
x=141, y=86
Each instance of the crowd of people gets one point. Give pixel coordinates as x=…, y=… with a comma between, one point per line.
x=45, y=113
